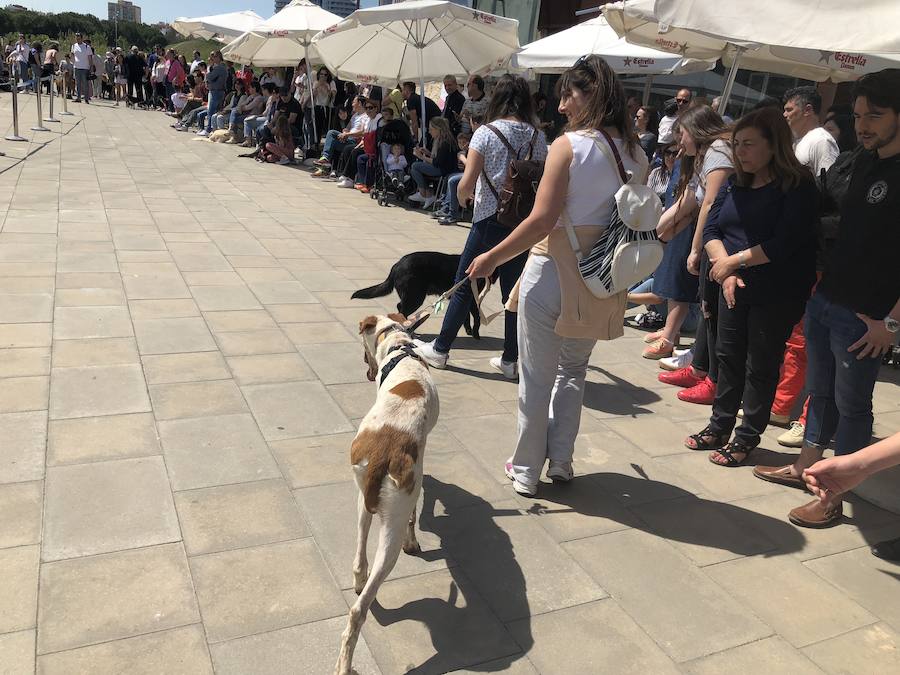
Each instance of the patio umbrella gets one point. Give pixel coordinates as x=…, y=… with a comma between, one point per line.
x=641, y=22
x=417, y=40
x=284, y=39
x=221, y=27
x=805, y=24
x=560, y=51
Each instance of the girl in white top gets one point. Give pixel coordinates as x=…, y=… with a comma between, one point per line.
x=579, y=184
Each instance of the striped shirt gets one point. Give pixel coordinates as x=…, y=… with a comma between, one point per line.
x=658, y=180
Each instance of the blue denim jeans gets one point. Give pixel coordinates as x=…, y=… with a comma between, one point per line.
x=333, y=147
x=200, y=115
x=422, y=171
x=81, y=84
x=214, y=104
x=484, y=235
x=253, y=124
x=840, y=386
x=450, y=200
x=234, y=119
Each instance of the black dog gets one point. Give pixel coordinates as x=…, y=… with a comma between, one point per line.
x=420, y=274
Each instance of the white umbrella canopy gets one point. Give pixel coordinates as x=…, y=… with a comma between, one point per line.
x=283, y=39
x=841, y=66
x=221, y=27
x=805, y=24
x=557, y=52
x=641, y=22
x=420, y=39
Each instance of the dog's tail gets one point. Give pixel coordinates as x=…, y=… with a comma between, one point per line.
x=377, y=291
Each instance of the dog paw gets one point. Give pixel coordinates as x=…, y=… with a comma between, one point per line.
x=412, y=549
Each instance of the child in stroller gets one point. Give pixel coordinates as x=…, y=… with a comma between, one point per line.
x=396, y=165
x=394, y=132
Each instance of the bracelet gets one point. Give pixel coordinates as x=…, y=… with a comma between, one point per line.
x=741, y=260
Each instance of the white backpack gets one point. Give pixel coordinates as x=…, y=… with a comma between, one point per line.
x=628, y=251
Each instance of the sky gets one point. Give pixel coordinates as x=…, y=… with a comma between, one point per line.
x=162, y=10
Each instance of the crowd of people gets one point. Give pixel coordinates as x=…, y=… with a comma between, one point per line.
x=780, y=230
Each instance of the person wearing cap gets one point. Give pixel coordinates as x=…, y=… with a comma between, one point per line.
x=135, y=66
x=109, y=74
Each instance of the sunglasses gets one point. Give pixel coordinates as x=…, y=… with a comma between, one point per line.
x=681, y=101
x=582, y=60
x=671, y=153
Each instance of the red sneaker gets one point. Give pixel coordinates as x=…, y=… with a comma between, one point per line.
x=683, y=377
x=703, y=393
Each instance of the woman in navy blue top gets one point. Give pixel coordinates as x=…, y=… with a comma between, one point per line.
x=761, y=240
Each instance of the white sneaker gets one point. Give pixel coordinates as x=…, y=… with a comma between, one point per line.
x=681, y=358
x=560, y=472
x=345, y=183
x=428, y=203
x=510, y=369
x=284, y=160
x=432, y=357
x=793, y=437
x=520, y=487
x=416, y=198
x=203, y=132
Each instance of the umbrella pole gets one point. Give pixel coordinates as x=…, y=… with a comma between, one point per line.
x=420, y=45
x=729, y=81
x=647, y=85
x=312, y=102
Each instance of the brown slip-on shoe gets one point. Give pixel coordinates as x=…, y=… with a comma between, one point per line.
x=815, y=514
x=779, y=474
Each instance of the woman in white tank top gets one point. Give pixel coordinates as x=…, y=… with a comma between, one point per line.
x=559, y=319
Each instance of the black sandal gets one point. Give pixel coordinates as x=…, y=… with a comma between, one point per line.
x=727, y=450
x=700, y=442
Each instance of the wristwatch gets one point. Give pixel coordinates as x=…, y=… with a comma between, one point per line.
x=742, y=260
x=891, y=324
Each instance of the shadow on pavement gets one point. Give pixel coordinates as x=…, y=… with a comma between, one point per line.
x=461, y=518
x=673, y=513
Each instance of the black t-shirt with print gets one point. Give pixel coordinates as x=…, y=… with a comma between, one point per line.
x=414, y=102
x=863, y=272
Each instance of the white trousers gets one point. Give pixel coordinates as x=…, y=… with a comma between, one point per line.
x=551, y=375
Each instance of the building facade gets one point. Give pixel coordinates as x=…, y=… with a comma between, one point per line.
x=123, y=10
x=342, y=8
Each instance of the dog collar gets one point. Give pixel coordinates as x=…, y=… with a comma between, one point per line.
x=405, y=351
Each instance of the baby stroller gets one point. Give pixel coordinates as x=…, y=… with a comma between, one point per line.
x=385, y=189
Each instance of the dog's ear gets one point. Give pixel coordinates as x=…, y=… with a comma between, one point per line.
x=398, y=317
x=368, y=324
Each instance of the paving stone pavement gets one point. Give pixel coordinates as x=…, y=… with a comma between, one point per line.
x=180, y=378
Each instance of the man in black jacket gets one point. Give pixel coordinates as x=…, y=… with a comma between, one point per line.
x=453, y=104
x=135, y=66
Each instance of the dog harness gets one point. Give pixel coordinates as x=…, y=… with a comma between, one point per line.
x=405, y=351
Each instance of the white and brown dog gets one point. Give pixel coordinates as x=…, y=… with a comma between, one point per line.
x=387, y=459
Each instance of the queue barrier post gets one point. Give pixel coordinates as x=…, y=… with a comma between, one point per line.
x=13, y=88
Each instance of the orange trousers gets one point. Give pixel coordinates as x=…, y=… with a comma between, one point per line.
x=793, y=372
